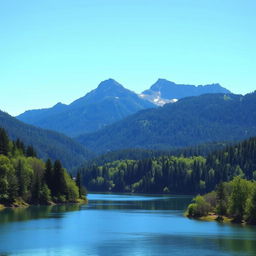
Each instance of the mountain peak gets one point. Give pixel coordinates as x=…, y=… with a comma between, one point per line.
x=162, y=80
x=169, y=90
x=109, y=83
x=161, y=83
x=59, y=104
x=108, y=103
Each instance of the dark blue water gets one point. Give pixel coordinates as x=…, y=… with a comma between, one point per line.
x=120, y=225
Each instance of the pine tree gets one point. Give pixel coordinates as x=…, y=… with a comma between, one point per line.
x=79, y=183
x=221, y=200
x=30, y=152
x=21, y=178
x=4, y=142
x=20, y=145
x=48, y=174
x=36, y=189
x=59, y=182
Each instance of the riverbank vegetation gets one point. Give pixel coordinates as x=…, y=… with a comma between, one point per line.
x=25, y=179
x=233, y=201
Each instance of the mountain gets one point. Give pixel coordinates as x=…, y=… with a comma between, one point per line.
x=31, y=115
x=48, y=144
x=190, y=121
x=164, y=91
x=107, y=104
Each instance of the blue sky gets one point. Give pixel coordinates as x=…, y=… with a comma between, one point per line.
x=58, y=50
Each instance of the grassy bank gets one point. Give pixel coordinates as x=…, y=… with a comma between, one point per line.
x=212, y=217
x=19, y=203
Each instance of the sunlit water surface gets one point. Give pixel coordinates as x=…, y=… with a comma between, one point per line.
x=120, y=225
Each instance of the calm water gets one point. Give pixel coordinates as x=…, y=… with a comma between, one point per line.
x=120, y=225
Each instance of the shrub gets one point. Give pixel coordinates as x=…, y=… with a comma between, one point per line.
x=199, y=207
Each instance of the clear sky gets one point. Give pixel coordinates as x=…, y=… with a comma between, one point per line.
x=58, y=50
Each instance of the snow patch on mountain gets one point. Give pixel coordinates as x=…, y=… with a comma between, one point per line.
x=156, y=99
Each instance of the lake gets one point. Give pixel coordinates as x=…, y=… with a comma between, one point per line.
x=122, y=225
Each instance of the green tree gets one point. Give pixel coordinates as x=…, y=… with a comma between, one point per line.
x=222, y=203
x=251, y=206
x=79, y=184
x=238, y=198
x=36, y=189
x=48, y=174
x=4, y=142
x=45, y=194
x=20, y=146
x=24, y=177
x=4, y=169
x=199, y=207
x=30, y=152
x=72, y=189
x=8, y=181
x=60, y=186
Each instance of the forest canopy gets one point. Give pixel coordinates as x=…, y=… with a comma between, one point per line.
x=25, y=179
x=173, y=174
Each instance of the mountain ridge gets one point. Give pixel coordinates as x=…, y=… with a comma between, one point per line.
x=190, y=121
x=108, y=103
x=164, y=91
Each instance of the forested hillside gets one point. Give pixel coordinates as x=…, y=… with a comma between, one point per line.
x=25, y=179
x=170, y=174
x=48, y=144
x=190, y=121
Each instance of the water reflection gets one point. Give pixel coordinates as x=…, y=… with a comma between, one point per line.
x=156, y=245
x=36, y=212
x=147, y=202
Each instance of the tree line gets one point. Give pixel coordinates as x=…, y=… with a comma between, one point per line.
x=25, y=179
x=143, y=153
x=173, y=174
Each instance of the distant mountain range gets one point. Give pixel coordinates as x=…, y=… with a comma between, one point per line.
x=109, y=103
x=164, y=91
x=190, y=121
x=48, y=144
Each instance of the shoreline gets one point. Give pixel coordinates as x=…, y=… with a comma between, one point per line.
x=213, y=217
x=22, y=204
